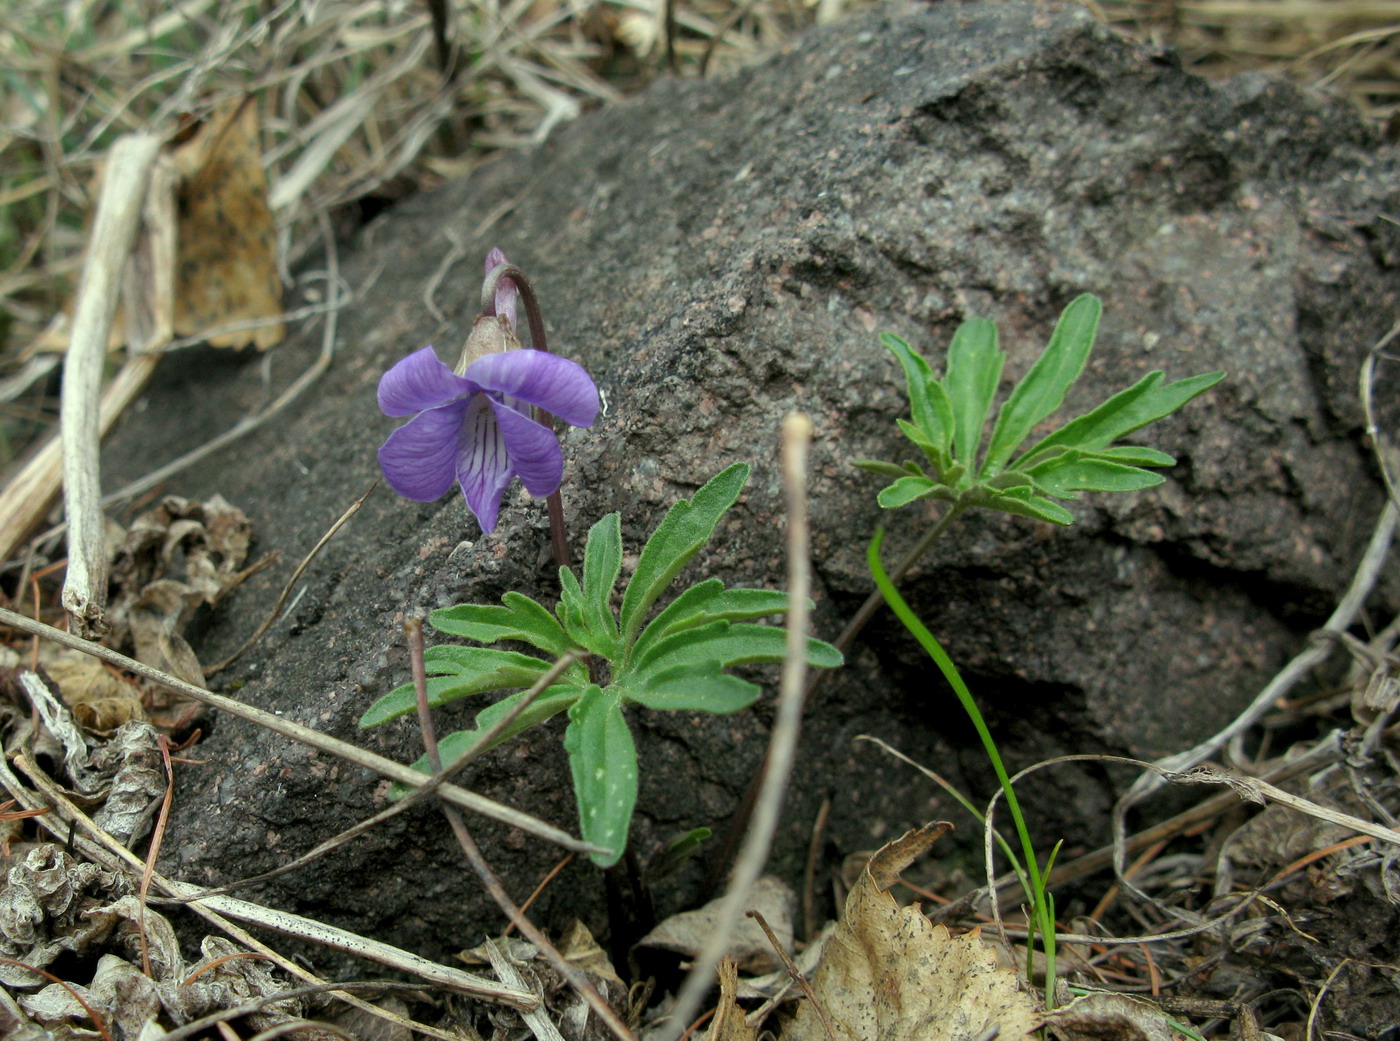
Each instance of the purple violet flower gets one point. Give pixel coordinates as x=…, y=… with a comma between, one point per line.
x=476, y=429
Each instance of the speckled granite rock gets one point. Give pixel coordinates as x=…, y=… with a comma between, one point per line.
x=721, y=252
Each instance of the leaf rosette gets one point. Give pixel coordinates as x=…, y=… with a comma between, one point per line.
x=678, y=660
x=963, y=465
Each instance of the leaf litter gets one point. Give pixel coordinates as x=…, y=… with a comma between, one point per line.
x=888, y=972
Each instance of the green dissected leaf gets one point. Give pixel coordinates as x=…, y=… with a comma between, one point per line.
x=937, y=455
x=1134, y=455
x=573, y=611
x=1022, y=501
x=875, y=466
x=709, y=601
x=459, y=672
x=519, y=619
x=685, y=529
x=458, y=743
x=1042, y=390
x=906, y=490
x=724, y=644
x=603, y=761
x=688, y=688
x=602, y=560
x=974, y=369
x=570, y=595
x=1032, y=506
x=1144, y=402
x=1064, y=475
x=1008, y=479
x=918, y=378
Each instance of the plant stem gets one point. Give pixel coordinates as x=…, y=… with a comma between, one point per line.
x=873, y=602
x=558, y=534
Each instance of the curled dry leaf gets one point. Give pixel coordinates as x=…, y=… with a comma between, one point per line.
x=749, y=947
x=43, y=910
x=101, y=701
x=58, y=722
x=366, y=1026
x=227, y=271
x=134, y=762
x=175, y=559
x=118, y=991
x=229, y=979
x=1109, y=1017
x=888, y=972
x=157, y=619
x=562, y=1005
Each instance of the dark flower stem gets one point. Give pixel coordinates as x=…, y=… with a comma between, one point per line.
x=557, y=533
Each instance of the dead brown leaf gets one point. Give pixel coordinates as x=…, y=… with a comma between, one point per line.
x=580, y=949
x=888, y=972
x=100, y=700
x=1109, y=1017
x=728, y=1022
x=227, y=269
x=686, y=933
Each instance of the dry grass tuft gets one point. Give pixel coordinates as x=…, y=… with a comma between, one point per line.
x=361, y=102
x=1348, y=47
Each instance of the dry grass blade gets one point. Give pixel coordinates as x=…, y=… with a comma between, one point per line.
x=313, y=738
x=1350, y=46
x=99, y=847
x=1255, y=790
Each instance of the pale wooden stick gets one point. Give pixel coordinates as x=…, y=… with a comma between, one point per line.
x=26, y=499
x=782, y=743
x=148, y=288
x=109, y=248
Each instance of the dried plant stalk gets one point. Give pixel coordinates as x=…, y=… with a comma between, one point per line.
x=113, y=232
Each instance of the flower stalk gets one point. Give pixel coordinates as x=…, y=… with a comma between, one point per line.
x=490, y=294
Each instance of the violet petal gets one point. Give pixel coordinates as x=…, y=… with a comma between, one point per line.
x=419, y=459
x=533, y=449
x=482, y=463
x=420, y=381
x=555, y=384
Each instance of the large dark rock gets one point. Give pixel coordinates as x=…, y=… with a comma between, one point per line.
x=721, y=252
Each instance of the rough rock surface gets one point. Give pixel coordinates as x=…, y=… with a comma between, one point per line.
x=721, y=252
